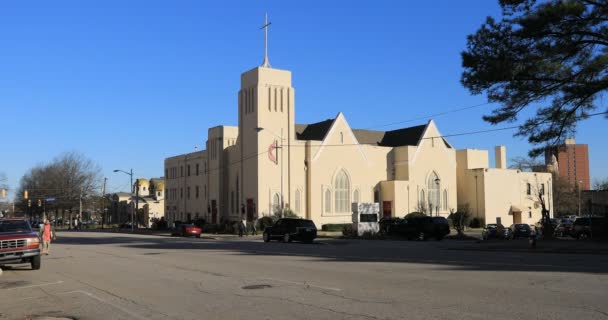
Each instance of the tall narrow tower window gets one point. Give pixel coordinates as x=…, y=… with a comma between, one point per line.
x=275, y=99
x=269, y=98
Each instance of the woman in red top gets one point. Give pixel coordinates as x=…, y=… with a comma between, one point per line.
x=46, y=234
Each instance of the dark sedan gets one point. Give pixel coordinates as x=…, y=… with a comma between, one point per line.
x=422, y=228
x=289, y=229
x=564, y=228
x=519, y=230
x=494, y=231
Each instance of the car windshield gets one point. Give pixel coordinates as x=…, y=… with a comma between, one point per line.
x=306, y=224
x=14, y=226
x=491, y=226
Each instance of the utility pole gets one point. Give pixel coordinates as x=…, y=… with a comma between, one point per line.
x=80, y=211
x=103, y=202
x=136, y=201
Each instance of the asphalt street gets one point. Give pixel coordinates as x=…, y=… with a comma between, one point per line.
x=122, y=276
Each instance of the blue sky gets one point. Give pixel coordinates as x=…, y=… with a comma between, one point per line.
x=129, y=83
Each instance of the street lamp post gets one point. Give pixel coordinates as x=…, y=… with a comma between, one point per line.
x=580, y=182
x=260, y=129
x=437, y=197
x=130, y=173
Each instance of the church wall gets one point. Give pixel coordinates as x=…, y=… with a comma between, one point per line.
x=433, y=156
x=365, y=166
x=504, y=188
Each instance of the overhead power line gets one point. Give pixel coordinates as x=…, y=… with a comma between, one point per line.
x=430, y=116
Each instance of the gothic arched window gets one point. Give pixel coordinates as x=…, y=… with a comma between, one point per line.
x=298, y=201
x=342, y=192
x=327, y=201
x=434, y=195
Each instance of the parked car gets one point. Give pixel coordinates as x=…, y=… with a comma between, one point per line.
x=19, y=243
x=564, y=228
x=519, y=230
x=422, y=228
x=186, y=230
x=590, y=227
x=386, y=224
x=494, y=231
x=289, y=229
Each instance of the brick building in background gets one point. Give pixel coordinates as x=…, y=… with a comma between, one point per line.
x=572, y=162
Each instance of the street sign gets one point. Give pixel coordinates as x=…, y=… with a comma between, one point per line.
x=50, y=199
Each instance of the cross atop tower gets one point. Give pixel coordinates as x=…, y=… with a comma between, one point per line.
x=266, y=63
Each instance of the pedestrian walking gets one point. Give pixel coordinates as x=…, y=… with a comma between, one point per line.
x=244, y=223
x=47, y=234
x=241, y=228
x=254, y=231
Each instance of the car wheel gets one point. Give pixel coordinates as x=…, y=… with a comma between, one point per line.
x=583, y=236
x=439, y=238
x=266, y=237
x=286, y=238
x=35, y=263
x=198, y=235
x=421, y=236
x=308, y=241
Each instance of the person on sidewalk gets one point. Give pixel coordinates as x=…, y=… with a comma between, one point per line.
x=241, y=227
x=254, y=231
x=47, y=233
x=244, y=222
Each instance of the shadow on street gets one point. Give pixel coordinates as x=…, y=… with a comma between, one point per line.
x=455, y=255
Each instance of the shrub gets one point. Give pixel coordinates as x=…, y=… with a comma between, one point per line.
x=335, y=227
x=415, y=214
x=265, y=222
x=199, y=222
x=287, y=213
x=211, y=228
x=477, y=223
x=347, y=230
x=459, y=220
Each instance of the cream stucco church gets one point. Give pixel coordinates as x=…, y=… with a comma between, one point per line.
x=269, y=162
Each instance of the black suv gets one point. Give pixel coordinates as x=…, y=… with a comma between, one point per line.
x=289, y=229
x=422, y=228
x=590, y=227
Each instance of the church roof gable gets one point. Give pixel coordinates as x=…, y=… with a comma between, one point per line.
x=410, y=136
x=313, y=131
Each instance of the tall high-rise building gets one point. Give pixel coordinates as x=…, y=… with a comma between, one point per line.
x=571, y=162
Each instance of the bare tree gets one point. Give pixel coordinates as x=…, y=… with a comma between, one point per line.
x=66, y=178
x=422, y=207
x=600, y=184
x=525, y=164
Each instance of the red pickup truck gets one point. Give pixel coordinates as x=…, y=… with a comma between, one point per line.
x=18, y=243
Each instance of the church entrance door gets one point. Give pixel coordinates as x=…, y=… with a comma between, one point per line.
x=516, y=217
x=250, y=210
x=213, y=211
x=387, y=209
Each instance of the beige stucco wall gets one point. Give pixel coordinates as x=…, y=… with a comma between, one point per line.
x=492, y=193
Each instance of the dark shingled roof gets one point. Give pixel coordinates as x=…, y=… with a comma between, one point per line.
x=403, y=137
x=395, y=138
x=313, y=131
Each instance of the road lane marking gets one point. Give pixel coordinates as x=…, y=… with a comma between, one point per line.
x=88, y=294
x=306, y=284
x=35, y=285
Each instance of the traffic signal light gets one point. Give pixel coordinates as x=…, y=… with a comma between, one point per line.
x=3, y=193
x=29, y=203
x=25, y=195
x=39, y=203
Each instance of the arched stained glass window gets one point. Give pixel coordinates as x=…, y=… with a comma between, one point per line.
x=342, y=192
